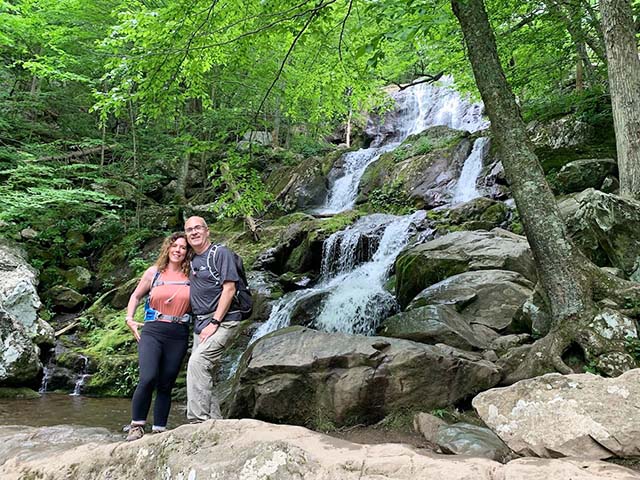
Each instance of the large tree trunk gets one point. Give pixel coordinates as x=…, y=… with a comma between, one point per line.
x=566, y=276
x=624, y=85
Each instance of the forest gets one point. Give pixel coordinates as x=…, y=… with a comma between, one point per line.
x=119, y=120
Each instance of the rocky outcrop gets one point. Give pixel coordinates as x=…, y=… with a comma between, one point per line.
x=420, y=266
x=304, y=185
x=21, y=329
x=606, y=227
x=302, y=376
x=574, y=415
x=253, y=450
x=582, y=174
x=424, y=167
x=486, y=297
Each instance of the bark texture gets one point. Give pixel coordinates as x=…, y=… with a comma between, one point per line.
x=624, y=84
x=566, y=276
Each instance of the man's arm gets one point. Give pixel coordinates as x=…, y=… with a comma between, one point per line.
x=228, y=291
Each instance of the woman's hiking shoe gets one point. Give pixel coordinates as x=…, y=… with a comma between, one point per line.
x=136, y=432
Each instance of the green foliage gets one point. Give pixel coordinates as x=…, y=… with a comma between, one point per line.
x=592, y=106
x=391, y=198
x=243, y=192
x=632, y=345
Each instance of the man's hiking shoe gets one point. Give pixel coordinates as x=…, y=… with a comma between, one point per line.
x=135, y=432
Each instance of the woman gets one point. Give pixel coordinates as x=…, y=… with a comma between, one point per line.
x=163, y=342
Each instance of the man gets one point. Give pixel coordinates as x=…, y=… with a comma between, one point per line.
x=215, y=326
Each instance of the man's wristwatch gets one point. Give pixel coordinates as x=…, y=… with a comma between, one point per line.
x=215, y=322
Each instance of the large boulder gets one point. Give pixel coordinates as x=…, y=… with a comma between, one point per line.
x=582, y=174
x=466, y=439
x=486, y=297
x=574, y=415
x=21, y=329
x=606, y=227
x=253, y=450
x=435, y=324
x=420, y=266
x=302, y=376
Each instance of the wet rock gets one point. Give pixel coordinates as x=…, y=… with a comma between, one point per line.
x=479, y=209
x=555, y=415
x=472, y=440
x=420, y=266
x=296, y=375
x=250, y=449
x=582, y=174
x=486, y=297
x=19, y=362
x=265, y=290
x=425, y=167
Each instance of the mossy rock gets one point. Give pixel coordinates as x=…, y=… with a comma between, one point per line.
x=18, y=393
x=415, y=272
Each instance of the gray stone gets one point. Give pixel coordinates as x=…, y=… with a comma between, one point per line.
x=428, y=425
x=28, y=233
x=574, y=415
x=434, y=324
x=64, y=298
x=472, y=440
x=254, y=450
x=78, y=278
x=19, y=362
x=582, y=174
x=297, y=375
x=563, y=132
x=420, y=266
x=486, y=297
x=606, y=227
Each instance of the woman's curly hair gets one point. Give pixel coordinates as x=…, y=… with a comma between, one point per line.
x=163, y=257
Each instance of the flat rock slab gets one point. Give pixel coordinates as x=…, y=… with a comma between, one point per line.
x=567, y=415
x=254, y=450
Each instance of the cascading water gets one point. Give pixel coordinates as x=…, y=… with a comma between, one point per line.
x=82, y=377
x=417, y=108
x=351, y=297
x=466, y=187
x=354, y=298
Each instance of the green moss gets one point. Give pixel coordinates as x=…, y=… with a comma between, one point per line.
x=21, y=393
x=292, y=218
x=495, y=214
x=416, y=272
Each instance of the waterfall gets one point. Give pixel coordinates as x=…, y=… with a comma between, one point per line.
x=361, y=301
x=356, y=300
x=417, y=108
x=344, y=191
x=466, y=187
x=82, y=377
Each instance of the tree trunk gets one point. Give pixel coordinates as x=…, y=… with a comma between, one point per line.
x=624, y=86
x=233, y=188
x=566, y=276
x=545, y=229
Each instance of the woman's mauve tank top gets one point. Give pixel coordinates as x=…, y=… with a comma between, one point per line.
x=170, y=299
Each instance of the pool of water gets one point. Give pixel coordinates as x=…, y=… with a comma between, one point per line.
x=60, y=409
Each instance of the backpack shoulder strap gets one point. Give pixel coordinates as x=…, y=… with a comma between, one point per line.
x=156, y=280
x=211, y=261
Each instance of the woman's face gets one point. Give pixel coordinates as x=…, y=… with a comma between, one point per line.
x=178, y=250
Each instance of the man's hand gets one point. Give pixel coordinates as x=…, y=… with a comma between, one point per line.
x=207, y=331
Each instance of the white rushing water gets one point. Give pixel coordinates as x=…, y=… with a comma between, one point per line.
x=417, y=108
x=354, y=298
x=466, y=187
x=344, y=191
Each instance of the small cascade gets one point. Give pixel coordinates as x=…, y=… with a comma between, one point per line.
x=355, y=297
x=82, y=377
x=361, y=301
x=46, y=376
x=466, y=187
x=344, y=191
x=417, y=108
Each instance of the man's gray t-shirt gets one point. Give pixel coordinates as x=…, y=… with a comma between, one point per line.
x=205, y=289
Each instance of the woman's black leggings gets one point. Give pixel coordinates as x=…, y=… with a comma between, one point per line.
x=161, y=349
